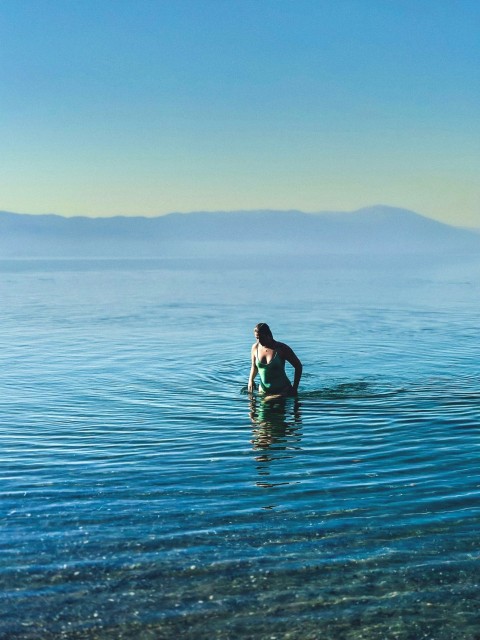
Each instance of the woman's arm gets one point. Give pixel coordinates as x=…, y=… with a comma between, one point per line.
x=291, y=357
x=253, y=371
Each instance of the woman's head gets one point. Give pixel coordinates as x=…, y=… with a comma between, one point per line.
x=263, y=333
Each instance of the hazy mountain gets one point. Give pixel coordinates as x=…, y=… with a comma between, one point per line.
x=373, y=230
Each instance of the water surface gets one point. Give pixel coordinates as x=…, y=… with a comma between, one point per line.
x=146, y=495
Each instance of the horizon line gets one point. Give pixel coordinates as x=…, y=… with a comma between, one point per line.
x=236, y=211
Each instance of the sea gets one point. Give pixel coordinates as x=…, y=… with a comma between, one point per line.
x=146, y=495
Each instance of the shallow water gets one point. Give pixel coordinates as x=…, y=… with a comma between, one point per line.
x=145, y=495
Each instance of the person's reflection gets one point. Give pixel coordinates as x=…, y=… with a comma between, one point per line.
x=276, y=432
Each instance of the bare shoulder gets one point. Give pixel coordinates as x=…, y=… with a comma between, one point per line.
x=283, y=348
x=287, y=352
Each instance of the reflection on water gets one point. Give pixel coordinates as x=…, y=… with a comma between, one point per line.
x=276, y=433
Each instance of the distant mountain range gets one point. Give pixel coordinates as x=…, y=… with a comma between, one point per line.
x=373, y=230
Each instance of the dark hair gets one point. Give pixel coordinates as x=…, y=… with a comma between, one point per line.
x=264, y=330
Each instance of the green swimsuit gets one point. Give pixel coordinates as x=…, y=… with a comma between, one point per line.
x=273, y=378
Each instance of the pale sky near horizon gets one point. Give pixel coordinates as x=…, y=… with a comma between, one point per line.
x=139, y=107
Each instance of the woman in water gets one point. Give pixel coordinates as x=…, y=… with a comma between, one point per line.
x=268, y=360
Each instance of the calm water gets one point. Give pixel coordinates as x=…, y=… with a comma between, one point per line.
x=145, y=496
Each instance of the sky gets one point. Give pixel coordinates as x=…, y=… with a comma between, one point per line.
x=146, y=107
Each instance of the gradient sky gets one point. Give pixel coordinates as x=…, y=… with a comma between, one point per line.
x=147, y=107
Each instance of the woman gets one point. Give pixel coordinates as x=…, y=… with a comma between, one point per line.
x=268, y=360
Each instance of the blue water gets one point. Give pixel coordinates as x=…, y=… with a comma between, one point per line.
x=145, y=495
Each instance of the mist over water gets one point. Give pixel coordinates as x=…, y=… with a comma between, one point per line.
x=145, y=494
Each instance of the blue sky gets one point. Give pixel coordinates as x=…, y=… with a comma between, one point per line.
x=147, y=107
